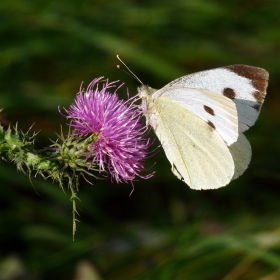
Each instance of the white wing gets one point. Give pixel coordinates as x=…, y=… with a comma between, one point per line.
x=196, y=151
x=241, y=153
x=245, y=85
x=213, y=108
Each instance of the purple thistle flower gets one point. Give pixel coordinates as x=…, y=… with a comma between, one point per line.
x=120, y=145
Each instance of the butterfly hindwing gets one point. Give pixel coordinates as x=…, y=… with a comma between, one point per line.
x=197, y=153
x=241, y=153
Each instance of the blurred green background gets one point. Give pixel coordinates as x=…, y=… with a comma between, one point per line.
x=164, y=230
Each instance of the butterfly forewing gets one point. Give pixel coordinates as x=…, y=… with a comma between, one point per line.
x=245, y=85
x=213, y=108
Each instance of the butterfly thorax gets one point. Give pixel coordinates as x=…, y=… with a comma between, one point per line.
x=145, y=93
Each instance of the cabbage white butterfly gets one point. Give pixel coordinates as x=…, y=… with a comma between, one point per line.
x=200, y=119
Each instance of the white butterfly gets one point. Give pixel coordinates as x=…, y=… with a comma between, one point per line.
x=200, y=120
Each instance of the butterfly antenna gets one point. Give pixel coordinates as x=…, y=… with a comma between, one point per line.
x=129, y=72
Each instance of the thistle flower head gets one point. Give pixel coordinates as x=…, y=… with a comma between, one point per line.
x=120, y=146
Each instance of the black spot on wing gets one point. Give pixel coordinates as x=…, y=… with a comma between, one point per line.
x=209, y=110
x=257, y=107
x=229, y=92
x=212, y=126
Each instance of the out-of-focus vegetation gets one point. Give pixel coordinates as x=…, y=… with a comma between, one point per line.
x=164, y=230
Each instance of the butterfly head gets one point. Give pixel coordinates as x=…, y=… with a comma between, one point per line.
x=145, y=91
